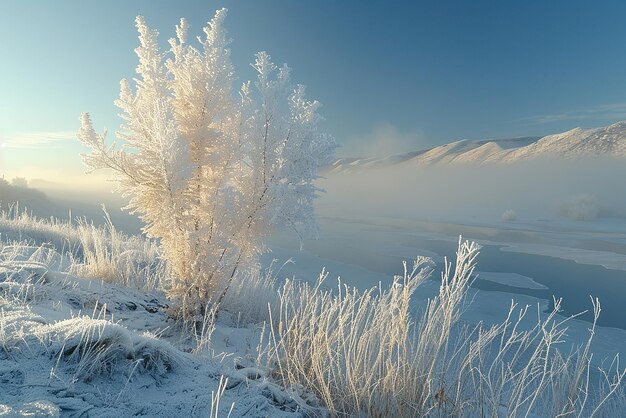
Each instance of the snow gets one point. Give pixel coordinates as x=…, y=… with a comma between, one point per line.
x=72, y=347
x=606, y=259
x=606, y=141
x=510, y=279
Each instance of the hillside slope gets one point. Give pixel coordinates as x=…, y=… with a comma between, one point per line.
x=75, y=347
x=605, y=141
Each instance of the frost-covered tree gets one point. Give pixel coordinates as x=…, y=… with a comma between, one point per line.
x=210, y=172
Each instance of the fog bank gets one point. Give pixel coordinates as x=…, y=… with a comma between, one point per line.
x=582, y=189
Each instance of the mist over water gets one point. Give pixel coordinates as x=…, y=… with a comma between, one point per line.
x=581, y=189
x=567, y=206
x=584, y=189
x=65, y=203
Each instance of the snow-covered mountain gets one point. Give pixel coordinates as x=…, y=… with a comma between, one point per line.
x=609, y=141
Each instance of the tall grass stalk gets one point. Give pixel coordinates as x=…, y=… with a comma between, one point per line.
x=97, y=252
x=362, y=354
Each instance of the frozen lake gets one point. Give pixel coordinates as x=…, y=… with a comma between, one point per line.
x=365, y=251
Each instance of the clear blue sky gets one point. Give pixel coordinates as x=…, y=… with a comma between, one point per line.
x=417, y=73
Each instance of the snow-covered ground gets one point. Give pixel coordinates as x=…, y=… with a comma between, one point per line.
x=75, y=347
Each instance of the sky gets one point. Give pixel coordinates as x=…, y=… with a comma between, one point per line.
x=392, y=76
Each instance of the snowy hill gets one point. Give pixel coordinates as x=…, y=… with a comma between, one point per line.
x=605, y=141
x=75, y=346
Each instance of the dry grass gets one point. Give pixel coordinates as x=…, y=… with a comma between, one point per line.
x=361, y=354
x=96, y=252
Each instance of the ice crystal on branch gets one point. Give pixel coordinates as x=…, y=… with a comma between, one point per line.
x=210, y=172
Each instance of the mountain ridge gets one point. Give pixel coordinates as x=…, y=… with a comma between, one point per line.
x=575, y=143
